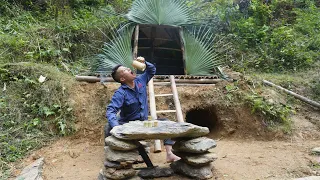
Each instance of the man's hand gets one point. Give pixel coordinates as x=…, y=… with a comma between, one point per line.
x=141, y=59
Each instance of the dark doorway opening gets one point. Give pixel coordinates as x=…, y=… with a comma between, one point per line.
x=161, y=45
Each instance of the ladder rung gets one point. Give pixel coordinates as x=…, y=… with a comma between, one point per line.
x=159, y=95
x=165, y=111
x=161, y=83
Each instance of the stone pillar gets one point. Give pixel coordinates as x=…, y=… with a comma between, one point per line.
x=196, y=160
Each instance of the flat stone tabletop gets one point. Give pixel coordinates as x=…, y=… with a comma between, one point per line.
x=136, y=130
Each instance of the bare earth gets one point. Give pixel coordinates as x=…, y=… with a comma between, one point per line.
x=82, y=160
x=245, y=150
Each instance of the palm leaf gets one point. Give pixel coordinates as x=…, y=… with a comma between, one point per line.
x=200, y=56
x=160, y=12
x=117, y=51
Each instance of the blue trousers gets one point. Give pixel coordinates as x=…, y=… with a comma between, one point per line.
x=107, y=133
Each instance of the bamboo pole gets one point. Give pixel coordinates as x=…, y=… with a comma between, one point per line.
x=176, y=99
x=302, y=98
x=94, y=79
x=153, y=113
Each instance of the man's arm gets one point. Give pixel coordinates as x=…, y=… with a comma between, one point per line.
x=148, y=73
x=113, y=108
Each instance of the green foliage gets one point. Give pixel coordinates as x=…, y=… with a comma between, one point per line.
x=160, y=12
x=315, y=89
x=275, y=113
x=58, y=35
x=32, y=112
x=276, y=36
x=117, y=51
x=199, y=51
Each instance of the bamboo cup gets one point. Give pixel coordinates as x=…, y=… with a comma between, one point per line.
x=138, y=65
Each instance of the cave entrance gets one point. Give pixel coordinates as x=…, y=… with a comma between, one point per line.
x=205, y=117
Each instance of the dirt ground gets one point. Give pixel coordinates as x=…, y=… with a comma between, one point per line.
x=246, y=149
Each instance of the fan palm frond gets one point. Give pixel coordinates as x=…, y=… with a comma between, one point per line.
x=160, y=12
x=200, y=56
x=117, y=51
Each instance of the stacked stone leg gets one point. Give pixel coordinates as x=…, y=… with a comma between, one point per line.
x=196, y=159
x=119, y=157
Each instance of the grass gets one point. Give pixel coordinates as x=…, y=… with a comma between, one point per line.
x=274, y=109
x=32, y=113
x=302, y=82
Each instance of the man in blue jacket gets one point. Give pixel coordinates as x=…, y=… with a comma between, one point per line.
x=132, y=101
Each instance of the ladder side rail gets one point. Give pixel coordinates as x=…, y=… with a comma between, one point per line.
x=153, y=112
x=176, y=99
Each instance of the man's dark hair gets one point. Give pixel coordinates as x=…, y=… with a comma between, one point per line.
x=114, y=74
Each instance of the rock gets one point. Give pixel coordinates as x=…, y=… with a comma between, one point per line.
x=121, y=145
x=101, y=176
x=316, y=150
x=197, y=159
x=203, y=172
x=135, y=178
x=117, y=165
x=122, y=156
x=73, y=154
x=164, y=130
x=145, y=143
x=33, y=171
x=156, y=172
x=197, y=145
x=112, y=173
x=309, y=178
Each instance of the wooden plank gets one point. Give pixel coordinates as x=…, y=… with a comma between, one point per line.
x=176, y=99
x=161, y=95
x=190, y=85
x=161, y=39
x=135, y=44
x=183, y=50
x=157, y=26
x=166, y=111
x=161, y=48
x=153, y=113
x=162, y=83
x=94, y=79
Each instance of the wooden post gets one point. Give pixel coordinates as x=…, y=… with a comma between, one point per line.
x=176, y=99
x=135, y=43
x=153, y=34
x=183, y=51
x=153, y=113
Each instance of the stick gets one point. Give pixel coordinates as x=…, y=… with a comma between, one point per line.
x=302, y=98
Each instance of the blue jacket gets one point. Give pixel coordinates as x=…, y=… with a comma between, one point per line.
x=133, y=103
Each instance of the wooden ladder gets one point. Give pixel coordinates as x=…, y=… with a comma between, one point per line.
x=153, y=111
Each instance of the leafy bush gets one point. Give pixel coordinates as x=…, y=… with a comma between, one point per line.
x=275, y=114
x=315, y=88
x=32, y=112
x=279, y=36
x=61, y=34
